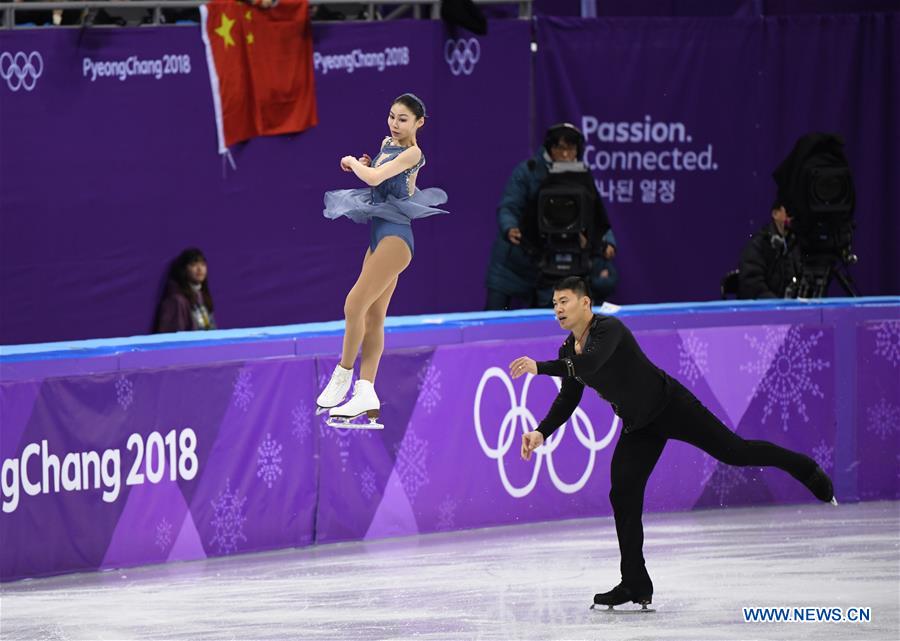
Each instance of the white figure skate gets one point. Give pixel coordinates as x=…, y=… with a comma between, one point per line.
x=336, y=390
x=363, y=401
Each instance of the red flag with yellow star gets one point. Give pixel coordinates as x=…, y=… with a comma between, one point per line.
x=261, y=68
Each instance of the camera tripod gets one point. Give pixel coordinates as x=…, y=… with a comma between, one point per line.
x=817, y=272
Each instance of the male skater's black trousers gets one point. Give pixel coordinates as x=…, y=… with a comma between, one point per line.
x=685, y=419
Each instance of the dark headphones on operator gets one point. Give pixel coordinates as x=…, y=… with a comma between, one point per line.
x=565, y=131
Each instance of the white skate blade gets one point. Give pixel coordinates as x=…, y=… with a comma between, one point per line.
x=833, y=501
x=619, y=609
x=340, y=422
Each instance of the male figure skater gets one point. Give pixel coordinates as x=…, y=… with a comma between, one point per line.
x=601, y=353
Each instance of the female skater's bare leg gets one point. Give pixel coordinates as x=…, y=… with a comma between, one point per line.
x=373, y=338
x=379, y=273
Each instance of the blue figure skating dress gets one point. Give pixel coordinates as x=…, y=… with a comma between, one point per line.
x=388, y=206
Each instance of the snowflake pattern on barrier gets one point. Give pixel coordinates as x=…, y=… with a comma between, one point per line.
x=367, y=482
x=787, y=368
x=721, y=478
x=268, y=461
x=887, y=341
x=411, y=465
x=447, y=513
x=342, y=436
x=163, y=534
x=228, y=520
x=302, y=429
x=824, y=456
x=243, y=390
x=430, y=387
x=883, y=419
x=124, y=392
x=766, y=349
x=693, y=358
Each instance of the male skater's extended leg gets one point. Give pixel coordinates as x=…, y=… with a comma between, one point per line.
x=633, y=460
x=686, y=419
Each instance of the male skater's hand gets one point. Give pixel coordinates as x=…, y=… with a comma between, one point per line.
x=522, y=365
x=530, y=442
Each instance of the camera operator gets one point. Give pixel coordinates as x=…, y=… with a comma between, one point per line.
x=815, y=184
x=770, y=260
x=518, y=270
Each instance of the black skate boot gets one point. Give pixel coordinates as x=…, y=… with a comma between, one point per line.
x=623, y=594
x=820, y=485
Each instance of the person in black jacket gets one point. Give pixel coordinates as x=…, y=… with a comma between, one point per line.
x=601, y=353
x=770, y=260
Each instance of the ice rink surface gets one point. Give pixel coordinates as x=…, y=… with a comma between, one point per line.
x=522, y=582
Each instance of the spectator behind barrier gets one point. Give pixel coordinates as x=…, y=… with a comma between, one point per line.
x=40, y=18
x=187, y=304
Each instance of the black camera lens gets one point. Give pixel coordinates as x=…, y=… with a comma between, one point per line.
x=829, y=186
x=562, y=212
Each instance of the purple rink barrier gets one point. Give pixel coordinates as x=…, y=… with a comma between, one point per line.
x=189, y=446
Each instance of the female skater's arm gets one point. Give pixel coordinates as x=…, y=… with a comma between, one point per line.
x=366, y=160
x=373, y=176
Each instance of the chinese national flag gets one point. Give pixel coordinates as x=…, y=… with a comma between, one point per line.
x=261, y=69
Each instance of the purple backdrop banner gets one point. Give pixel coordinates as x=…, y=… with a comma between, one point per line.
x=108, y=168
x=185, y=462
x=686, y=119
x=108, y=165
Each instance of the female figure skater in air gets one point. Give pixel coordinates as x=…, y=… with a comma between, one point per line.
x=389, y=203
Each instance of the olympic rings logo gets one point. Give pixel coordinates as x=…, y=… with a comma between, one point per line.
x=519, y=415
x=20, y=70
x=461, y=55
